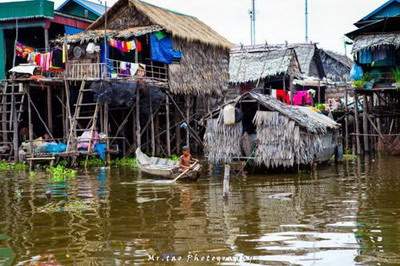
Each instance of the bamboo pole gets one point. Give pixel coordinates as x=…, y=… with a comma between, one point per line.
x=167, y=118
x=153, y=142
x=177, y=133
x=30, y=125
x=227, y=170
x=4, y=114
x=106, y=129
x=68, y=116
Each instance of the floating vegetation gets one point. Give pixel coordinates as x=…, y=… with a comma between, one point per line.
x=126, y=162
x=349, y=157
x=174, y=157
x=74, y=206
x=6, y=166
x=92, y=162
x=60, y=173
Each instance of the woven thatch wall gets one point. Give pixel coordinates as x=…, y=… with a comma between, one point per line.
x=203, y=69
x=222, y=142
x=280, y=142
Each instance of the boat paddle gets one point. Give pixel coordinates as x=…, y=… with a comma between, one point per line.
x=184, y=172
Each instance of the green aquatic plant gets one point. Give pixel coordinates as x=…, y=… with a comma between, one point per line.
x=174, y=157
x=60, y=173
x=73, y=206
x=6, y=166
x=396, y=74
x=92, y=162
x=126, y=162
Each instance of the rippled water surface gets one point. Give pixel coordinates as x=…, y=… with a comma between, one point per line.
x=340, y=215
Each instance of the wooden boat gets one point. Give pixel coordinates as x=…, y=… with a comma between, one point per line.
x=163, y=167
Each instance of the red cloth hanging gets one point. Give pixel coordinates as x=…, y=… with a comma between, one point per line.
x=139, y=46
x=283, y=96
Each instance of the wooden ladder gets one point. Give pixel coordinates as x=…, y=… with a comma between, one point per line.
x=11, y=103
x=81, y=123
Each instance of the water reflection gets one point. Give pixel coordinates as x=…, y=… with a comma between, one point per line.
x=348, y=212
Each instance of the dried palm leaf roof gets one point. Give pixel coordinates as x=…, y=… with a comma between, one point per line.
x=98, y=35
x=247, y=66
x=375, y=41
x=179, y=25
x=312, y=121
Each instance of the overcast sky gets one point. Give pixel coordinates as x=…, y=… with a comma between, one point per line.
x=277, y=20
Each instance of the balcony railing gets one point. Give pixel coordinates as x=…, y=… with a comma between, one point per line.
x=115, y=69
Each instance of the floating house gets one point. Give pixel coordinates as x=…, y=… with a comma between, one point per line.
x=262, y=129
x=137, y=77
x=376, y=74
x=34, y=23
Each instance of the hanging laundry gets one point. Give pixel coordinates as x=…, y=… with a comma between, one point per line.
x=64, y=53
x=57, y=58
x=302, y=98
x=139, y=46
x=283, y=96
x=162, y=50
x=23, y=50
x=90, y=48
x=160, y=35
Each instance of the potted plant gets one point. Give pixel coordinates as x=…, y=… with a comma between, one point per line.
x=396, y=77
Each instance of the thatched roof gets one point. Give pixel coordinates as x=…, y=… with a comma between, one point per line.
x=336, y=66
x=98, y=35
x=307, y=55
x=312, y=121
x=375, y=41
x=245, y=66
x=179, y=25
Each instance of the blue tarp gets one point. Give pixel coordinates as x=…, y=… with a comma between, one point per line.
x=100, y=149
x=162, y=50
x=72, y=30
x=55, y=148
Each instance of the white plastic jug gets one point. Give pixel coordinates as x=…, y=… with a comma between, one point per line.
x=229, y=114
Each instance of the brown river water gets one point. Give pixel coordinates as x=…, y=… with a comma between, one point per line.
x=339, y=215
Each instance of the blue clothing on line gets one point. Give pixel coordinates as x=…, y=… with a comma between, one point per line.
x=162, y=50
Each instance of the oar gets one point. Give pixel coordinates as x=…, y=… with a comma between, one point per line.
x=184, y=172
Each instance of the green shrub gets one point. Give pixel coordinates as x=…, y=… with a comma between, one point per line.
x=92, y=162
x=6, y=166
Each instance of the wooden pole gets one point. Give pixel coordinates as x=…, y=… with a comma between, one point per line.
x=30, y=128
x=346, y=119
x=177, y=133
x=167, y=118
x=4, y=114
x=188, y=120
x=138, y=135
x=365, y=124
x=356, y=118
x=157, y=133
x=68, y=116
x=106, y=129
x=49, y=109
x=153, y=141
x=227, y=170
x=15, y=126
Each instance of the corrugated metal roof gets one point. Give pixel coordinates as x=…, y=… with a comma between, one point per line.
x=26, y=10
x=91, y=6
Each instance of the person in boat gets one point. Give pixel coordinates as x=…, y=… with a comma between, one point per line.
x=186, y=159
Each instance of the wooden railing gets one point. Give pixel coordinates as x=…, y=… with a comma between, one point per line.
x=114, y=69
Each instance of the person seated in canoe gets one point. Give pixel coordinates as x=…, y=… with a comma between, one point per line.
x=185, y=161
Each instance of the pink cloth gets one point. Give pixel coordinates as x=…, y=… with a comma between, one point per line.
x=302, y=98
x=84, y=139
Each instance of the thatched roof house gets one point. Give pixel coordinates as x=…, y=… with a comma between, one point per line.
x=251, y=66
x=203, y=68
x=270, y=133
x=336, y=66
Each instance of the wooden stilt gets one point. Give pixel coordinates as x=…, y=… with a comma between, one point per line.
x=157, y=134
x=63, y=112
x=15, y=126
x=346, y=120
x=365, y=124
x=68, y=116
x=177, y=133
x=168, y=136
x=30, y=128
x=188, y=120
x=106, y=131
x=138, y=135
x=4, y=115
x=49, y=109
x=227, y=170
x=356, y=118
x=153, y=141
